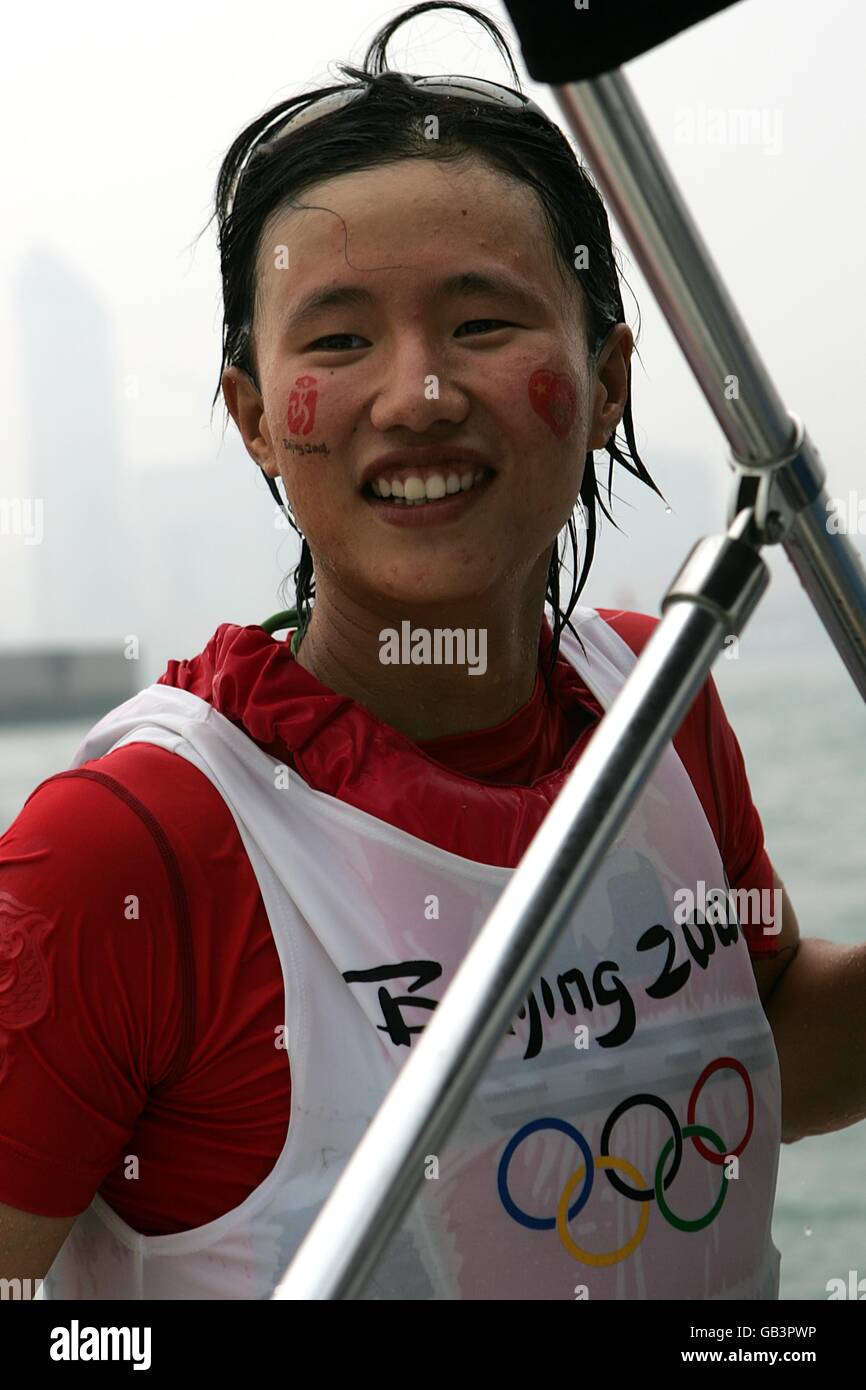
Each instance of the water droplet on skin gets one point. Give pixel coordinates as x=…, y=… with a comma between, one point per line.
x=668, y=511
x=807, y=1230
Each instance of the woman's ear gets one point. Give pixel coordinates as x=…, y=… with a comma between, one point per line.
x=246, y=407
x=610, y=385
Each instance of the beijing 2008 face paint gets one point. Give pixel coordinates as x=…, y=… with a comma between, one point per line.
x=302, y=405
x=301, y=416
x=553, y=396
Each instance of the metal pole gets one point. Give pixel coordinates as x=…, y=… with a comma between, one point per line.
x=639, y=188
x=443, y=1067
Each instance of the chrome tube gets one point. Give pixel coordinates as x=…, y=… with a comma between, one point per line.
x=639, y=188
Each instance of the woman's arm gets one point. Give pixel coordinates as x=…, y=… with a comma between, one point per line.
x=814, y=996
x=28, y=1247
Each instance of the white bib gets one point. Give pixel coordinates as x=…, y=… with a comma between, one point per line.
x=624, y=1140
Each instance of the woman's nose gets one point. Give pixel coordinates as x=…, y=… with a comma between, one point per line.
x=416, y=389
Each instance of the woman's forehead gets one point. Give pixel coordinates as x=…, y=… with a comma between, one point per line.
x=420, y=190
x=420, y=216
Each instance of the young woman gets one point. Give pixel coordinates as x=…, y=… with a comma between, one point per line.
x=225, y=926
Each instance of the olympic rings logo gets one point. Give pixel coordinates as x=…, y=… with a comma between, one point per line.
x=612, y=1167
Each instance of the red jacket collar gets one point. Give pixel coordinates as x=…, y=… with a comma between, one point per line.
x=481, y=794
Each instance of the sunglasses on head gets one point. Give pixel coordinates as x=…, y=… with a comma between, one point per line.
x=470, y=88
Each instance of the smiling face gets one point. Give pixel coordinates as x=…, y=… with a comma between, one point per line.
x=418, y=339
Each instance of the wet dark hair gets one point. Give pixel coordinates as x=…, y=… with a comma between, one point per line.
x=261, y=175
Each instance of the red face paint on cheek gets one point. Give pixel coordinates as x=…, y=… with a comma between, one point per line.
x=302, y=405
x=552, y=395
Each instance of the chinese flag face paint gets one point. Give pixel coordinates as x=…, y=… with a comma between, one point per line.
x=552, y=395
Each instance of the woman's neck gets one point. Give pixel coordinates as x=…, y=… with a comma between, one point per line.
x=431, y=674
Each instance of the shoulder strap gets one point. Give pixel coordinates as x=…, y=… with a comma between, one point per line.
x=181, y=1058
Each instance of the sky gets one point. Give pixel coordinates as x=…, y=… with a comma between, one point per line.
x=111, y=311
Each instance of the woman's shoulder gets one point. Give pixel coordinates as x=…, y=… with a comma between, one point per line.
x=634, y=628
x=706, y=712
x=138, y=803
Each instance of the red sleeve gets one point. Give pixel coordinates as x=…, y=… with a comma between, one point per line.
x=151, y=1036
x=711, y=755
x=90, y=1009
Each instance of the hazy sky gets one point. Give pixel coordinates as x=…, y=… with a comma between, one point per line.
x=116, y=120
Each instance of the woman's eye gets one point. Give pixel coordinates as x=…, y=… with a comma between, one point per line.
x=320, y=343
x=486, y=325
x=339, y=342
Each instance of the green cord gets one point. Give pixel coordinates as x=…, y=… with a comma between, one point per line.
x=288, y=617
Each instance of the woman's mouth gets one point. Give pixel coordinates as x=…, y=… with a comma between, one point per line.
x=417, y=492
x=435, y=497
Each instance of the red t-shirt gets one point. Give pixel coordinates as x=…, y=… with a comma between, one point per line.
x=140, y=986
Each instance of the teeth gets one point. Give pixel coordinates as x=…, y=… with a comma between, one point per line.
x=436, y=487
x=415, y=492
